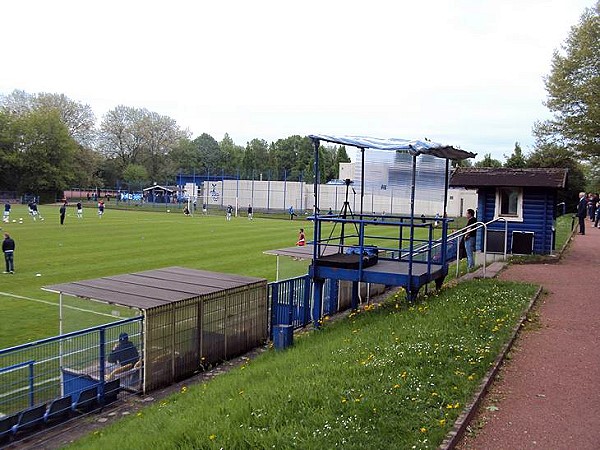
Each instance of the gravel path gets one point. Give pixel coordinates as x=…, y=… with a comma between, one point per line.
x=547, y=395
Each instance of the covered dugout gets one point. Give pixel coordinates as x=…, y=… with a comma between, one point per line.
x=191, y=318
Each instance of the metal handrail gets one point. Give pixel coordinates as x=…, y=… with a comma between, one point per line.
x=462, y=232
x=474, y=227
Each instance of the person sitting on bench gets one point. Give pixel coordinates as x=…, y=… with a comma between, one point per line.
x=125, y=354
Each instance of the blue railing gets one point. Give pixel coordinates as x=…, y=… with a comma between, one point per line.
x=291, y=301
x=38, y=372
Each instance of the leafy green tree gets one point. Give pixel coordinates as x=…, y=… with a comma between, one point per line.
x=256, y=159
x=45, y=152
x=135, y=175
x=573, y=88
x=593, y=175
x=160, y=134
x=77, y=117
x=9, y=159
x=516, y=160
x=232, y=155
x=138, y=136
x=87, y=172
x=210, y=157
x=554, y=156
x=341, y=156
x=119, y=135
x=488, y=161
x=328, y=158
x=184, y=158
x=285, y=155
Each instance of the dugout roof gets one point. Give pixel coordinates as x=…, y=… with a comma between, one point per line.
x=152, y=288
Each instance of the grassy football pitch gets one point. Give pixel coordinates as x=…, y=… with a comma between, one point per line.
x=123, y=242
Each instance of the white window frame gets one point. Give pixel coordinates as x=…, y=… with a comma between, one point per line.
x=509, y=218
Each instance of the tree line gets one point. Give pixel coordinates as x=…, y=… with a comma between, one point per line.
x=50, y=143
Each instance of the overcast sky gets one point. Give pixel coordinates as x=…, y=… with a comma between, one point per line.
x=465, y=72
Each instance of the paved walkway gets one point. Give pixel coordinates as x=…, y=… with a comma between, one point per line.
x=548, y=394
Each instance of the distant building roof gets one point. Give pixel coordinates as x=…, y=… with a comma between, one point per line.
x=158, y=187
x=474, y=177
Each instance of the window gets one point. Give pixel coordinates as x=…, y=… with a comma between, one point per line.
x=509, y=204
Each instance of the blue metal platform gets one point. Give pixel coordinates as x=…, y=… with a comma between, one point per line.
x=410, y=254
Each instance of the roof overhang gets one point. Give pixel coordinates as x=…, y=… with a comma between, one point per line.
x=477, y=177
x=414, y=147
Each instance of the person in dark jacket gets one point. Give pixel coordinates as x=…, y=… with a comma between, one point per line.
x=8, y=247
x=63, y=213
x=470, y=239
x=124, y=352
x=582, y=212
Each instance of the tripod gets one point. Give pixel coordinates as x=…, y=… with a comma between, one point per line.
x=345, y=212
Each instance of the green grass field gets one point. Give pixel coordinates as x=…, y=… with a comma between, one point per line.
x=387, y=377
x=130, y=241
x=394, y=376
x=124, y=242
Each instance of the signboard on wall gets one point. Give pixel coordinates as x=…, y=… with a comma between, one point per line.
x=215, y=192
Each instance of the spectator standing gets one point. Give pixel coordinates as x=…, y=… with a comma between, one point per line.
x=63, y=213
x=470, y=239
x=593, y=201
x=8, y=247
x=582, y=212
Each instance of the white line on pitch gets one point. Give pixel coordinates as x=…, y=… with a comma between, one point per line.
x=55, y=304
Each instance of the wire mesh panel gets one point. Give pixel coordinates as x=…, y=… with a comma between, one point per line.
x=186, y=343
x=213, y=330
x=159, y=347
x=186, y=336
x=36, y=373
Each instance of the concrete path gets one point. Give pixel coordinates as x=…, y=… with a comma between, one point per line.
x=547, y=395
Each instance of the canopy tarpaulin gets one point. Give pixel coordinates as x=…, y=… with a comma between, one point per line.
x=414, y=147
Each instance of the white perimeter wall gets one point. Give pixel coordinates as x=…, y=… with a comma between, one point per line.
x=280, y=195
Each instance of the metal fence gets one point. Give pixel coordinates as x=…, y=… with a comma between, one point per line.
x=32, y=375
x=186, y=336
x=291, y=302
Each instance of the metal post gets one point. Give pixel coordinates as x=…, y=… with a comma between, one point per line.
x=362, y=181
x=284, y=187
x=101, y=353
x=316, y=144
x=412, y=224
